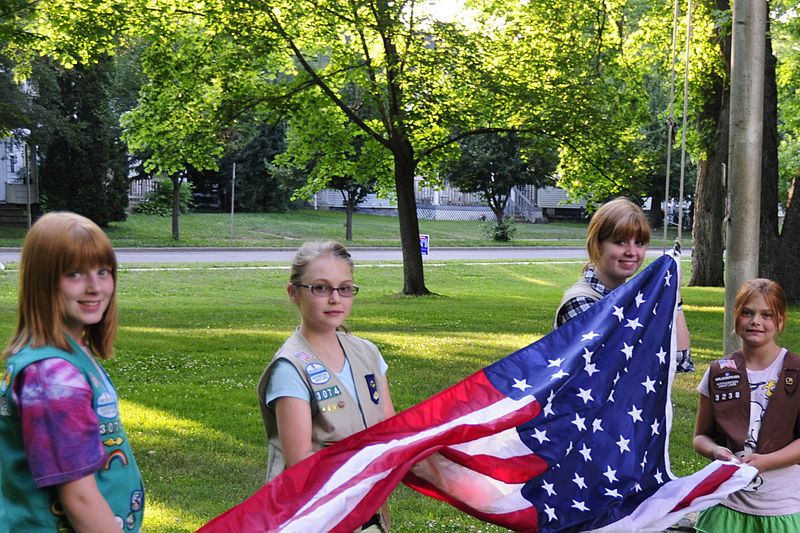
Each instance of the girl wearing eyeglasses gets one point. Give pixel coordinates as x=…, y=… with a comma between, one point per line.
x=323, y=383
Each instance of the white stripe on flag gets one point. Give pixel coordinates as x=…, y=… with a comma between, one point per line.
x=351, y=471
x=503, y=445
x=480, y=492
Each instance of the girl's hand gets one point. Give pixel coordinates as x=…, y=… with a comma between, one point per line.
x=722, y=453
x=757, y=460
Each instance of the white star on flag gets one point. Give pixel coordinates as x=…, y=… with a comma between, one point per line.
x=521, y=384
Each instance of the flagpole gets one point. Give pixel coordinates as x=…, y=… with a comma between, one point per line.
x=744, y=159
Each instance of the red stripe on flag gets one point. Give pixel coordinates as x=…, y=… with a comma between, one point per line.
x=521, y=520
x=708, y=485
x=282, y=498
x=508, y=470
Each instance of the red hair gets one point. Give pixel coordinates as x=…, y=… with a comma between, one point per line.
x=59, y=243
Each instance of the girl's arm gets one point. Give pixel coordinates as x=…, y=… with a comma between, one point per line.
x=388, y=407
x=703, y=427
x=86, y=508
x=294, y=428
x=788, y=455
x=681, y=331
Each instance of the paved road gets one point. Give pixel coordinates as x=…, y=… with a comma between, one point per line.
x=243, y=255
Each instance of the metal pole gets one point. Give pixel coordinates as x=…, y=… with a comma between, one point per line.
x=233, y=194
x=670, y=121
x=685, y=112
x=744, y=147
x=28, y=182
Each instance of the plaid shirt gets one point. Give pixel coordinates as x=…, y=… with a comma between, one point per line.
x=577, y=305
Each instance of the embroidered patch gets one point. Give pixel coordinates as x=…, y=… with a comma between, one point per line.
x=727, y=363
x=137, y=500
x=728, y=380
x=317, y=373
x=6, y=379
x=106, y=406
x=789, y=381
x=117, y=456
x=372, y=385
x=724, y=396
x=303, y=356
x=327, y=393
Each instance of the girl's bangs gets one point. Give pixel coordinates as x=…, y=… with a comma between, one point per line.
x=88, y=250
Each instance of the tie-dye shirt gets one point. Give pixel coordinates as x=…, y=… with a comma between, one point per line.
x=59, y=427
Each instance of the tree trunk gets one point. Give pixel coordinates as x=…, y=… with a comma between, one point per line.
x=770, y=244
x=656, y=214
x=710, y=198
x=790, y=249
x=348, y=232
x=778, y=250
x=176, y=204
x=413, y=275
x=708, y=238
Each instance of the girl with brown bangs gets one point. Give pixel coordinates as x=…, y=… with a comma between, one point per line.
x=617, y=241
x=65, y=461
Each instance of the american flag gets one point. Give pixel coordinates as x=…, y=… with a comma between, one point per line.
x=568, y=434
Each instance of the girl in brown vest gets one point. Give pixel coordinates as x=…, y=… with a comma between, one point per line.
x=323, y=384
x=749, y=411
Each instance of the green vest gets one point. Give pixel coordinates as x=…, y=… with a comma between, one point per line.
x=32, y=510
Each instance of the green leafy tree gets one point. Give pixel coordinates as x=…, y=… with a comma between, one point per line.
x=493, y=164
x=543, y=67
x=84, y=165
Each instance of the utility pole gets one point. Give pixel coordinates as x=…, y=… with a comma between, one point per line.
x=744, y=148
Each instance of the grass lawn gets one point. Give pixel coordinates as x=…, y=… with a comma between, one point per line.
x=294, y=227
x=193, y=343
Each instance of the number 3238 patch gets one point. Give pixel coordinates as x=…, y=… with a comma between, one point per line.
x=723, y=396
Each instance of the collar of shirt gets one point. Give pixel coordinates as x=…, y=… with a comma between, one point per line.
x=595, y=283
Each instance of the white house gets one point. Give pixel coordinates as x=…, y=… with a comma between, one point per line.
x=16, y=192
x=528, y=203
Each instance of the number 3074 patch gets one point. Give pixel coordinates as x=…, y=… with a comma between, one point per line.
x=327, y=393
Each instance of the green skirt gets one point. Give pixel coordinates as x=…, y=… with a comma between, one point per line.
x=721, y=519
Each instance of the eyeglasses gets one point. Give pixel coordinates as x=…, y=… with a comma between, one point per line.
x=345, y=291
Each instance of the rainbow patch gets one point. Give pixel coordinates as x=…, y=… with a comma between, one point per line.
x=116, y=455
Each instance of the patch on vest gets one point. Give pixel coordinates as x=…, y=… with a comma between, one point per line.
x=727, y=363
x=137, y=500
x=6, y=379
x=372, y=385
x=733, y=395
x=106, y=406
x=328, y=393
x=317, y=373
x=303, y=356
x=727, y=380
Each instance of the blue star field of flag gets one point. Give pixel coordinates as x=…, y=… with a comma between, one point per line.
x=603, y=381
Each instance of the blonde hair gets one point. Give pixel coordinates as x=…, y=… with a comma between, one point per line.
x=313, y=249
x=769, y=290
x=618, y=219
x=59, y=243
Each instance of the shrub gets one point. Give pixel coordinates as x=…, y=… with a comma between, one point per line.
x=159, y=200
x=502, y=232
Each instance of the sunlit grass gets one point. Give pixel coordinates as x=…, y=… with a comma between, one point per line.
x=193, y=343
